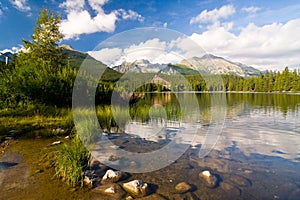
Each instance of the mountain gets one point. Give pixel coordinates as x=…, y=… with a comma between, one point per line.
x=75, y=59
x=218, y=65
x=6, y=57
x=144, y=66
x=139, y=66
x=206, y=64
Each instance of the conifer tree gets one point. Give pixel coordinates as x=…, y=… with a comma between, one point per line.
x=43, y=49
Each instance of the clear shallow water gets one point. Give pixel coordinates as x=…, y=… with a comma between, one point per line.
x=260, y=142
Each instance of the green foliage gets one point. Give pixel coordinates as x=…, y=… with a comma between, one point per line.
x=38, y=75
x=71, y=162
x=43, y=48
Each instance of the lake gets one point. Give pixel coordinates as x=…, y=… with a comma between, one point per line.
x=251, y=143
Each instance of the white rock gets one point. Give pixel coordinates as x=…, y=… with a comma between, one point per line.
x=110, y=190
x=137, y=188
x=55, y=143
x=112, y=176
x=206, y=173
x=210, y=179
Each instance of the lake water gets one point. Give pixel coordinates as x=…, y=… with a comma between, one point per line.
x=256, y=143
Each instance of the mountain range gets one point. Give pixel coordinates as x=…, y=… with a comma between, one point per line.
x=6, y=57
x=207, y=64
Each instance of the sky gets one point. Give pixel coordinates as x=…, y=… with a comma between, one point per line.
x=263, y=34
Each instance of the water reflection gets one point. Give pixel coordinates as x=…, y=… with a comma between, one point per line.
x=257, y=156
x=256, y=123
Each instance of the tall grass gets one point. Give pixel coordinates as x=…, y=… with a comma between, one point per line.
x=44, y=118
x=71, y=162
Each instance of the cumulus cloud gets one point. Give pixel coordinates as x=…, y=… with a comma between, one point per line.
x=21, y=5
x=266, y=47
x=148, y=50
x=109, y=56
x=153, y=50
x=271, y=46
x=80, y=20
x=251, y=9
x=130, y=14
x=13, y=50
x=214, y=15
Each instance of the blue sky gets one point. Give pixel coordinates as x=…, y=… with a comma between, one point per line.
x=263, y=34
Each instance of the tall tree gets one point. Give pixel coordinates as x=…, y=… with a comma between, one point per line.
x=40, y=72
x=43, y=49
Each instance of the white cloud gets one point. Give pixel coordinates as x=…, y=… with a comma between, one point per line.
x=153, y=50
x=214, y=15
x=148, y=50
x=266, y=47
x=165, y=25
x=82, y=21
x=13, y=50
x=271, y=46
x=109, y=56
x=130, y=14
x=251, y=9
x=21, y=5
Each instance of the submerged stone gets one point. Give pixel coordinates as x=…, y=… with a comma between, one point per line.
x=211, y=180
x=115, y=191
x=182, y=187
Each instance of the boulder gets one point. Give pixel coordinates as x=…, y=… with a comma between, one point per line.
x=113, y=190
x=182, y=187
x=211, y=180
x=137, y=188
x=112, y=176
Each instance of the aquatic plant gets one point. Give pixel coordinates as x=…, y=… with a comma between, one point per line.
x=71, y=162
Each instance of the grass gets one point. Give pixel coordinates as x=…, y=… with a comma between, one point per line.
x=71, y=161
x=41, y=118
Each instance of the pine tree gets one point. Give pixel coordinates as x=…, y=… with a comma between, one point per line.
x=40, y=73
x=43, y=49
